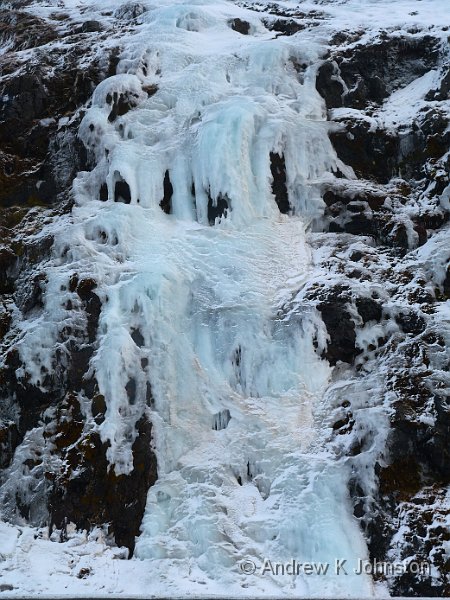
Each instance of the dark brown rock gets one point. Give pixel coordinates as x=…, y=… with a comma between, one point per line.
x=98, y=408
x=122, y=192
x=89, y=493
x=279, y=188
x=411, y=322
x=5, y=323
x=166, y=202
x=372, y=71
x=329, y=85
x=9, y=440
x=283, y=26
x=21, y=30
x=92, y=305
x=90, y=27
x=240, y=26
x=333, y=304
x=369, y=309
x=121, y=103
x=372, y=153
x=43, y=89
x=217, y=208
x=33, y=298
x=8, y=261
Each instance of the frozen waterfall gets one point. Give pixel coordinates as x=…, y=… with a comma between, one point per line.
x=179, y=225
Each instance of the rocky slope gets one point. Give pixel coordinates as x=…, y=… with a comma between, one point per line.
x=386, y=306
x=380, y=285
x=49, y=69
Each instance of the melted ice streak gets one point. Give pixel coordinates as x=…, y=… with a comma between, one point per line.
x=206, y=300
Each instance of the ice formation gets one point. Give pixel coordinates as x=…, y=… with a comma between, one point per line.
x=196, y=266
x=205, y=293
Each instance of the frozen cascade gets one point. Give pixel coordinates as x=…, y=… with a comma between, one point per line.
x=192, y=299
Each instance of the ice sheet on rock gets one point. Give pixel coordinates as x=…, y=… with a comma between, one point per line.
x=205, y=298
x=227, y=111
x=209, y=107
x=204, y=293
x=219, y=110
x=402, y=106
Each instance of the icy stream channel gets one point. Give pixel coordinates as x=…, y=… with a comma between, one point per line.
x=191, y=302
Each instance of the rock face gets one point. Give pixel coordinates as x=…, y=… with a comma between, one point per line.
x=87, y=491
x=44, y=93
x=365, y=74
x=382, y=281
x=398, y=202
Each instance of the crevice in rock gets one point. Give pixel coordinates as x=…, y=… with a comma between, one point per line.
x=166, y=202
x=218, y=208
x=279, y=188
x=122, y=192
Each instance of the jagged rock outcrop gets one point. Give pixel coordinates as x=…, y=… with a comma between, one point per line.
x=398, y=202
x=86, y=491
x=44, y=93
